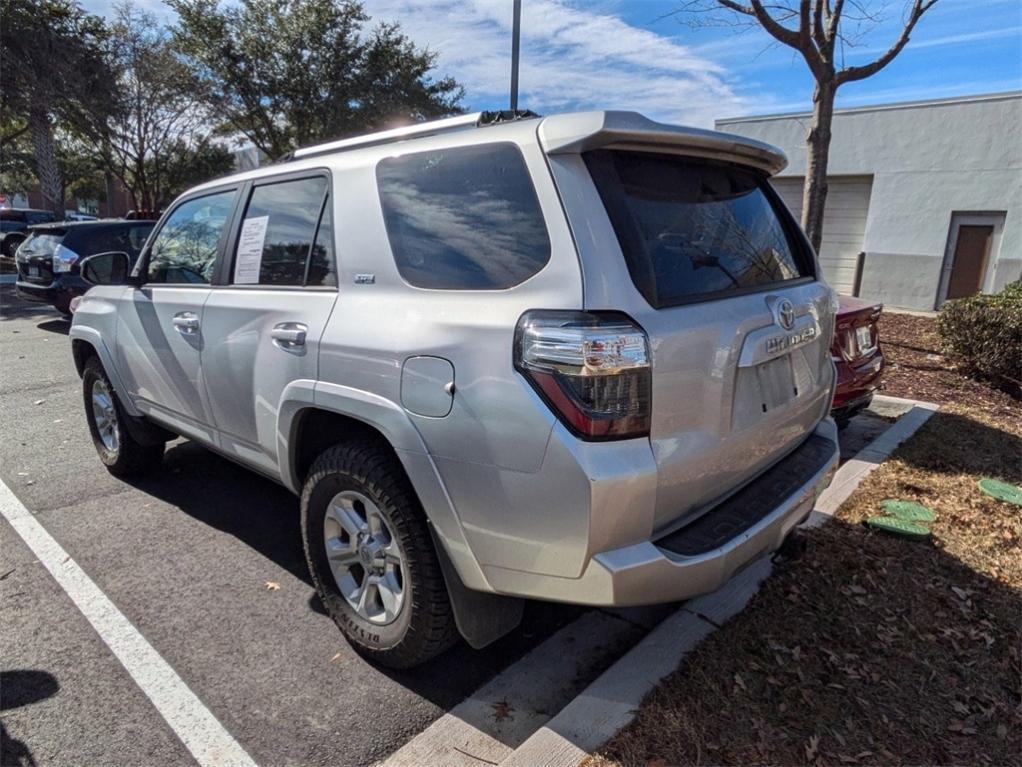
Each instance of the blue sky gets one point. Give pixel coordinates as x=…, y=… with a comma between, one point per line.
x=633, y=55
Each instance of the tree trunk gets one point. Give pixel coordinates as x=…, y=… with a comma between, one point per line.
x=814, y=194
x=51, y=181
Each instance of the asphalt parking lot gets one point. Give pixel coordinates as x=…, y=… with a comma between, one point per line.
x=187, y=557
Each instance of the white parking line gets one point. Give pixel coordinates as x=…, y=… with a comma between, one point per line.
x=191, y=721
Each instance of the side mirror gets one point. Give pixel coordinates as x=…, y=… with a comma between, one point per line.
x=111, y=268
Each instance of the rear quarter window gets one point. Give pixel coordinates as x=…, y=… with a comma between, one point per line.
x=693, y=230
x=465, y=218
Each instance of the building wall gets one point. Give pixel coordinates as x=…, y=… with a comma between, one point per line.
x=928, y=161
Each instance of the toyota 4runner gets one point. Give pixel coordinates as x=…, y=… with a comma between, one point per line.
x=582, y=358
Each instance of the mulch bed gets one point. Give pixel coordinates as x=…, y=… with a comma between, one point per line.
x=873, y=649
x=917, y=369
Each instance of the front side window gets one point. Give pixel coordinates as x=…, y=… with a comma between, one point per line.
x=691, y=229
x=278, y=242
x=184, y=250
x=463, y=219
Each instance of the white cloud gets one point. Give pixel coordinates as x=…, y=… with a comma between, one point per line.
x=572, y=58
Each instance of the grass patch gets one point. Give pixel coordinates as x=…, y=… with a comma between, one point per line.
x=872, y=649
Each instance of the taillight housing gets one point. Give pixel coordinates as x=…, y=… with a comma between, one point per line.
x=592, y=369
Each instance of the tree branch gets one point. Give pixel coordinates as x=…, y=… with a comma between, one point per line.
x=850, y=74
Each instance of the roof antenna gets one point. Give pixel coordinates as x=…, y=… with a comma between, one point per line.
x=516, y=38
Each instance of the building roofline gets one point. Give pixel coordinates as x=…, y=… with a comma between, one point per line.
x=981, y=97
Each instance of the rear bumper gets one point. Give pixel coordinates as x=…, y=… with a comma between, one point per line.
x=706, y=553
x=58, y=293
x=856, y=384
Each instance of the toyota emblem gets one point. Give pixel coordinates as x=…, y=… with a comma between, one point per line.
x=784, y=311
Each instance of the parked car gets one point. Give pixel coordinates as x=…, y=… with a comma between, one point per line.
x=857, y=355
x=14, y=222
x=48, y=260
x=582, y=358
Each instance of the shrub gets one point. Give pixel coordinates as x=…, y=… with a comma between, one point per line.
x=983, y=335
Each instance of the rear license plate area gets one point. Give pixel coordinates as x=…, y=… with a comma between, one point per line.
x=864, y=340
x=776, y=383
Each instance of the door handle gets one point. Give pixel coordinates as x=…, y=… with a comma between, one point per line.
x=186, y=322
x=289, y=335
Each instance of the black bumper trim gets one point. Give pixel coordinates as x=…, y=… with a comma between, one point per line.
x=753, y=502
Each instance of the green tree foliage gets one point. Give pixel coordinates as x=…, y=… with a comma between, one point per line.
x=287, y=73
x=187, y=165
x=54, y=71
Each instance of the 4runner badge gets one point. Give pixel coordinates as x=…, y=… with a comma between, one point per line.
x=365, y=279
x=790, y=340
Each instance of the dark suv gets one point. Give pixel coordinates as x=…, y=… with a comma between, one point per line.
x=48, y=260
x=14, y=222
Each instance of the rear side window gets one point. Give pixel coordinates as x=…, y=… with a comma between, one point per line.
x=90, y=240
x=693, y=229
x=282, y=240
x=464, y=218
x=41, y=243
x=12, y=215
x=184, y=250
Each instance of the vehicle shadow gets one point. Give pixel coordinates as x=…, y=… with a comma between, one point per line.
x=61, y=326
x=13, y=308
x=21, y=687
x=265, y=516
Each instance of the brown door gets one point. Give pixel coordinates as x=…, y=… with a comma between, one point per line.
x=970, y=261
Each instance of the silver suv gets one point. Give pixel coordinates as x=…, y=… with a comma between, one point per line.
x=581, y=358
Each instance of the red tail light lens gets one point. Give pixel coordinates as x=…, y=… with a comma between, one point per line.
x=592, y=369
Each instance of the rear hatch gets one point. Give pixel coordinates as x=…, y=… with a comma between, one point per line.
x=35, y=256
x=697, y=249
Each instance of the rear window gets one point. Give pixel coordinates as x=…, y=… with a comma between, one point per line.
x=691, y=229
x=463, y=219
x=41, y=243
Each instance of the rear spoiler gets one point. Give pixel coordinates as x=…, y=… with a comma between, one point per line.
x=583, y=131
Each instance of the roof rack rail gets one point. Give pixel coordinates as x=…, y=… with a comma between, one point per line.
x=429, y=128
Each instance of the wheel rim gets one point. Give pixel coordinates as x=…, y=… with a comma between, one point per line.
x=365, y=559
x=104, y=414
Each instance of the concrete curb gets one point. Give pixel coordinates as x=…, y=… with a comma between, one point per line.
x=611, y=702
x=8, y=279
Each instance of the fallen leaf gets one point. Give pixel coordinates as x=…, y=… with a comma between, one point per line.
x=812, y=747
x=501, y=710
x=272, y=586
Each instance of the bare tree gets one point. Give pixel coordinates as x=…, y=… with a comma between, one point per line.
x=817, y=30
x=158, y=120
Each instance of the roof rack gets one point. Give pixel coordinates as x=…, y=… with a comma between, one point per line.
x=429, y=128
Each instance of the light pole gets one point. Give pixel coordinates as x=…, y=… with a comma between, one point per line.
x=516, y=35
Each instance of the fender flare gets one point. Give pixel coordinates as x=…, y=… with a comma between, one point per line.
x=92, y=337
x=397, y=428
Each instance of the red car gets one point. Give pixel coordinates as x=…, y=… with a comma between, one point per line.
x=857, y=354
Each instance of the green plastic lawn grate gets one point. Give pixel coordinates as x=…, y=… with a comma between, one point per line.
x=903, y=527
x=1002, y=491
x=910, y=511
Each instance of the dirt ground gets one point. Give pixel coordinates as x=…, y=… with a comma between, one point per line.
x=873, y=649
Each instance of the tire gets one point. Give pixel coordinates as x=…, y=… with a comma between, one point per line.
x=391, y=549
x=119, y=451
x=11, y=245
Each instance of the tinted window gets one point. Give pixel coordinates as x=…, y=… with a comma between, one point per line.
x=12, y=215
x=464, y=218
x=276, y=240
x=691, y=229
x=184, y=250
x=102, y=239
x=39, y=217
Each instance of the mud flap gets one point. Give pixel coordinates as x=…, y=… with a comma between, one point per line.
x=481, y=618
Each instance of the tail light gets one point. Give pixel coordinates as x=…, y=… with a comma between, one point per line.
x=592, y=369
x=63, y=259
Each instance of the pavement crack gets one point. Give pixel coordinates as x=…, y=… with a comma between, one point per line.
x=702, y=617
